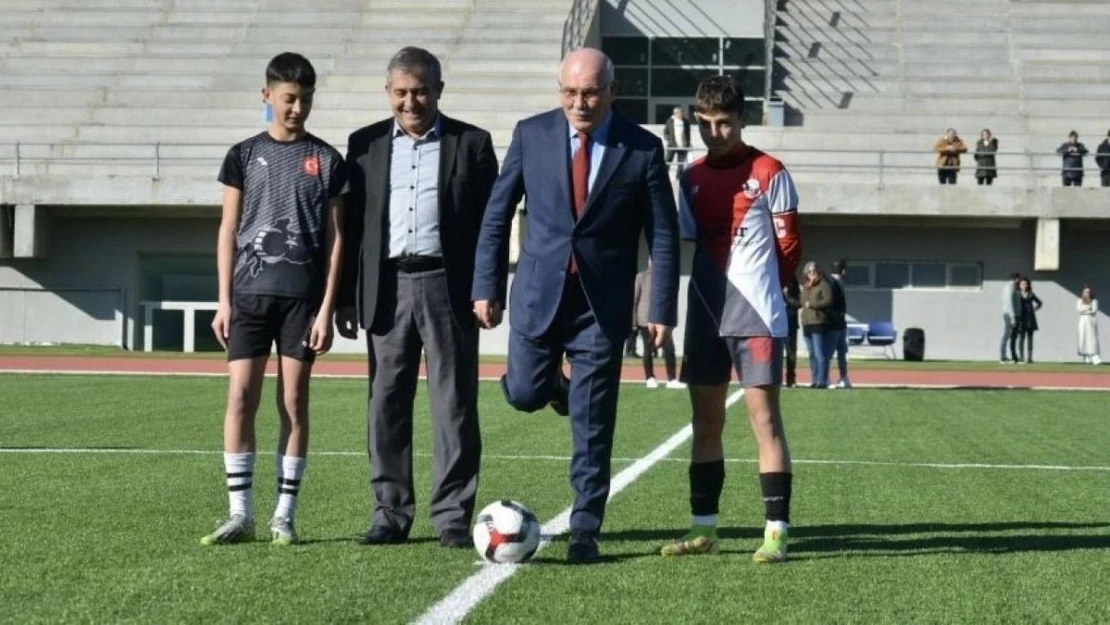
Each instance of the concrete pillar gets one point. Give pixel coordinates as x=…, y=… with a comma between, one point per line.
x=7, y=217
x=30, y=235
x=1046, y=256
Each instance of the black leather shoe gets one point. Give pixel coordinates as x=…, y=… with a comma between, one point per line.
x=456, y=539
x=382, y=535
x=560, y=401
x=583, y=548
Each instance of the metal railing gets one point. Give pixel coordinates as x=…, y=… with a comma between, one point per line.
x=156, y=160
x=1016, y=168
x=577, y=24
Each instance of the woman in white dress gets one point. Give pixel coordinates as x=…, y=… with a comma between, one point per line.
x=1087, y=306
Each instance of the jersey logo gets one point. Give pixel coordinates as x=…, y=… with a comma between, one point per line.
x=751, y=189
x=311, y=165
x=274, y=244
x=261, y=161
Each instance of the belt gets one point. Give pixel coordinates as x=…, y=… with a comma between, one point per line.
x=415, y=264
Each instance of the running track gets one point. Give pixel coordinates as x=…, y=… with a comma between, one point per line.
x=1009, y=378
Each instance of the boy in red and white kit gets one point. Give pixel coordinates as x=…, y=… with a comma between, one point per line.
x=739, y=205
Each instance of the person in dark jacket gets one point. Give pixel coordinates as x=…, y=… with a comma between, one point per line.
x=792, y=293
x=641, y=302
x=817, y=302
x=985, y=149
x=839, y=322
x=1026, y=320
x=1073, y=152
x=1102, y=159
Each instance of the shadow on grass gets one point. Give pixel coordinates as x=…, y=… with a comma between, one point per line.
x=855, y=540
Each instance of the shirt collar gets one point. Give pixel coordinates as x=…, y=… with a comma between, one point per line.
x=599, y=134
x=433, y=133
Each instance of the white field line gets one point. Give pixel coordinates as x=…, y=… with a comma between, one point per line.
x=455, y=606
x=123, y=451
x=357, y=376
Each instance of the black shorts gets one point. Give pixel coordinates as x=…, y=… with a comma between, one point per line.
x=708, y=358
x=259, y=320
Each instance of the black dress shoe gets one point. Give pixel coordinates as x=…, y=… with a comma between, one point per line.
x=382, y=535
x=583, y=548
x=560, y=400
x=456, y=539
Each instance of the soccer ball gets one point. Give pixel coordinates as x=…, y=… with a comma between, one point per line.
x=506, y=532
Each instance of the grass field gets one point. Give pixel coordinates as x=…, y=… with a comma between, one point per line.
x=890, y=524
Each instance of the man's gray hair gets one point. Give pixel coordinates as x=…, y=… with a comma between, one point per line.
x=608, y=74
x=812, y=265
x=412, y=60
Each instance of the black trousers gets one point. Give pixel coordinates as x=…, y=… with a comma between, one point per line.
x=946, y=176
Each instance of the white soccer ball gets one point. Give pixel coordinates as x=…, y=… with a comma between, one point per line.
x=506, y=532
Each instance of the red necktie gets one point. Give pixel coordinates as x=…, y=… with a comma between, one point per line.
x=580, y=179
x=580, y=174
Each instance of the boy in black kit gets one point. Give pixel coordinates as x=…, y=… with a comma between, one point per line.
x=278, y=258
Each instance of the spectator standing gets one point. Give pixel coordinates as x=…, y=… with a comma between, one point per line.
x=1102, y=159
x=1027, y=320
x=985, y=149
x=838, y=323
x=1073, y=152
x=948, y=149
x=817, y=303
x=1087, y=306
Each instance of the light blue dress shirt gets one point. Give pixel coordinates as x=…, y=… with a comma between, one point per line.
x=414, y=194
x=598, y=138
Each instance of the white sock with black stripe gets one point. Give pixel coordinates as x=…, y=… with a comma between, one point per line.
x=239, y=469
x=289, y=471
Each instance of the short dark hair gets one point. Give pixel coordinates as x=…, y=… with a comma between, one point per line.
x=293, y=68
x=719, y=94
x=1073, y=134
x=840, y=267
x=413, y=60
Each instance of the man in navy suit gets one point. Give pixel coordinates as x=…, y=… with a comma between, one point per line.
x=594, y=181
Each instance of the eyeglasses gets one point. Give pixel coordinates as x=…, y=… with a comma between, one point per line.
x=590, y=94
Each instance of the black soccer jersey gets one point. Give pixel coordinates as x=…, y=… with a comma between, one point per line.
x=280, y=245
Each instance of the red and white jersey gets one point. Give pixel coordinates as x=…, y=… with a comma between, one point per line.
x=743, y=215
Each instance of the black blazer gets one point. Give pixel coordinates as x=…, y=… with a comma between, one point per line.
x=467, y=170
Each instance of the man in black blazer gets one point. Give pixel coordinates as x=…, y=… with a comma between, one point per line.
x=419, y=183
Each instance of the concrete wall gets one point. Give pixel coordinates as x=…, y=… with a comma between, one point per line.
x=87, y=290
x=966, y=324
x=683, y=18
x=92, y=271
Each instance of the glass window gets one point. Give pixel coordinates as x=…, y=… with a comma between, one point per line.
x=858, y=276
x=674, y=82
x=632, y=81
x=929, y=275
x=635, y=109
x=965, y=275
x=753, y=112
x=892, y=275
x=626, y=50
x=745, y=52
x=750, y=81
x=685, y=51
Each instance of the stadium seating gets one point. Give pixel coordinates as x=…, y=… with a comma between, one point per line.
x=80, y=74
x=891, y=75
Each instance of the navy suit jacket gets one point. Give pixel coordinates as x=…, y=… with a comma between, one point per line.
x=632, y=194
